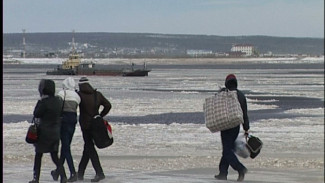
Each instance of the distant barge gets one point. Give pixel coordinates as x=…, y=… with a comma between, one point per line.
x=73, y=66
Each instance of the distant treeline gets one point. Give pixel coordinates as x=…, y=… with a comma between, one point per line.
x=158, y=43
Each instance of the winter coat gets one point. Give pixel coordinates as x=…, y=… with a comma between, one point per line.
x=48, y=110
x=69, y=95
x=232, y=85
x=87, y=105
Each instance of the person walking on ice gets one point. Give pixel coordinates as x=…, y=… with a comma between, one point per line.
x=229, y=136
x=48, y=109
x=71, y=101
x=91, y=100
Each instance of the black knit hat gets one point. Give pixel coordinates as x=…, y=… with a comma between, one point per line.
x=83, y=80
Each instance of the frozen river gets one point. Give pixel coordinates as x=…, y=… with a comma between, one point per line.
x=158, y=122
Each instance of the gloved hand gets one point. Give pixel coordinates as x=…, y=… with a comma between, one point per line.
x=246, y=133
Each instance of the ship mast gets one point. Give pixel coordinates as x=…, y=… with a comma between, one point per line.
x=74, y=59
x=24, y=44
x=73, y=46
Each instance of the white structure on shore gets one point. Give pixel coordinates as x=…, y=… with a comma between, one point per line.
x=248, y=49
x=199, y=52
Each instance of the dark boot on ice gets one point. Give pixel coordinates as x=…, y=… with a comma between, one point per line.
x=221, y=177
x=35, y=177
x=34, y=181
x=241, y=175
x=80, y=175
x=63, y=177
x=73, y=177
x=64, y=180
x=60, y=170
x=55, y=175
x=98, y=177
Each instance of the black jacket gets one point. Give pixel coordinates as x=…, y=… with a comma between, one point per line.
x=48, y=110
x=87, y=105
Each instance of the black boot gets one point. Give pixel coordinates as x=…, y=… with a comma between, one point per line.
x=221, y=177
x=61, y=172
x=63, y=176
x=80, y=175
x=36, y=176
x=34, y=181
x=73, y=177
x=63, y=180
x=98, y=177
x=241, y=175
x=55, y=175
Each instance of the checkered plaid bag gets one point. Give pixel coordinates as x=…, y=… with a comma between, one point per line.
x=222, y=111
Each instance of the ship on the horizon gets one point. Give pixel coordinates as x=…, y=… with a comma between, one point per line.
x=74, y=66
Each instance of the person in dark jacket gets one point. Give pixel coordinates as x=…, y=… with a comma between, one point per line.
x=229, y=136
x=48, y=110
x=88, y=110
x=68, y=125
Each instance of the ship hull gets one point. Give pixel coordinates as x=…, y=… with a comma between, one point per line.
x=61, y=72
x=136, y=73
x=73, y=66
x=93, y=72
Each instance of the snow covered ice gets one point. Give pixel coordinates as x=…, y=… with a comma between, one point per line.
x=158, y=128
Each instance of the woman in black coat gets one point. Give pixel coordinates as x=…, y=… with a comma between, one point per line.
x=48, y=110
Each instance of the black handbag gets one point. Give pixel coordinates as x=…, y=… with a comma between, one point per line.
x=101, y=131
x=254, y=145
x=32, y=135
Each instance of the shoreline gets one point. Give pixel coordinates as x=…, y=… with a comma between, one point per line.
x=170, y=61
x=200, y=61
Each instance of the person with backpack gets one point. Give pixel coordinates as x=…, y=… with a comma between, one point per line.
x=229, y=136
x=91, y=100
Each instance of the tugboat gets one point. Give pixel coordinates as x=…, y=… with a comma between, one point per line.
x=74, y=66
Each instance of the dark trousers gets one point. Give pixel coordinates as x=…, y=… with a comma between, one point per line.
x=38, y=163
x=228, y=138
x=68, y=127
x=89, y=153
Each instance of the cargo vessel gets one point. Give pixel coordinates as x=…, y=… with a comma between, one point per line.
x=74, y=66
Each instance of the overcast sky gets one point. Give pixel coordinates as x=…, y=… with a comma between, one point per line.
x=284, y=18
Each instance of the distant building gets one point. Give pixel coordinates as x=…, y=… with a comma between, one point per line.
x=195, y=53
x=247, y=49
x=236, y=54
x=221, y=54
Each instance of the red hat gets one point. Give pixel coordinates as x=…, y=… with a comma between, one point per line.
x=231, y=81
x=230, y=76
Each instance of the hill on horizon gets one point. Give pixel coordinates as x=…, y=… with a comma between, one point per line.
x=173, y=43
